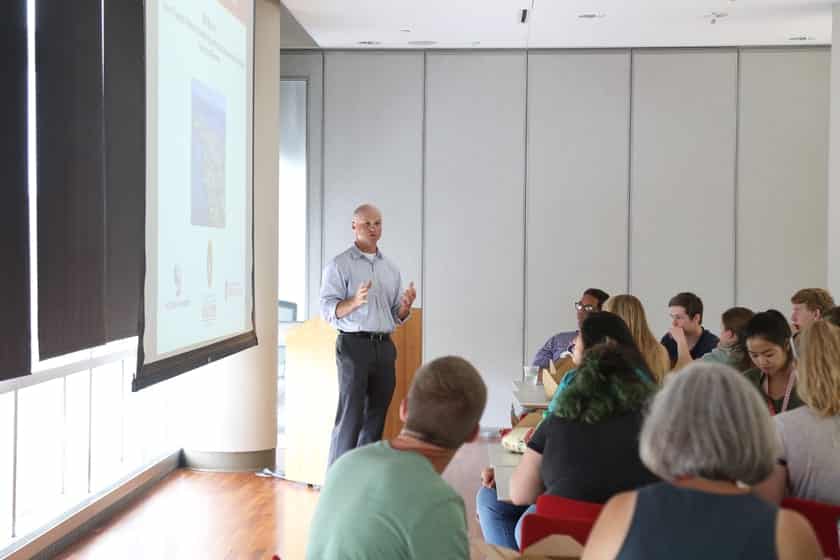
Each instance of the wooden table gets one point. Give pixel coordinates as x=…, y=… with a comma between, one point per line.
x=503, y=463
x=529, y=395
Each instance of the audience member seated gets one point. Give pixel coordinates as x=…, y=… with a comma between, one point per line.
x=707, y=430
x=731, y=349
x=833, y=316
x=687, y=340
x=387, y=499
x=554, y=348
x=809, y=465
x=630, y=309
x=586, y=450
x=769, y=346
x=808, y=305
x=600, y=327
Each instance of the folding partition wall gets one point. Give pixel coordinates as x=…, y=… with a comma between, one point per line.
x=541, y=174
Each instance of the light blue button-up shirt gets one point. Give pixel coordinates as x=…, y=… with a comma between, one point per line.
x=342, y=277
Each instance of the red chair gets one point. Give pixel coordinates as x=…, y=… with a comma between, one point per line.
x=824, y=518
x=536, y=527
x=564, y=508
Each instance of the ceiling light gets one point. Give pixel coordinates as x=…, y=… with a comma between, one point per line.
x=476, y=43
x=591, y=15
x=405, y=30
x=370, y=43
x=422, y=43
x=800, y=38
x=714, y=16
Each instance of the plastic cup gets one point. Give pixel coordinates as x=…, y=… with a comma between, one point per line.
x=530, y=374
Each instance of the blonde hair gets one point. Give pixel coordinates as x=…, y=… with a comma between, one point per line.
x=630, y=309
x=818, y=381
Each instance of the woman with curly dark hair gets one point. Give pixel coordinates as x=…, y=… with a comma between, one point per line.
x=587, y=449
x=598, y=328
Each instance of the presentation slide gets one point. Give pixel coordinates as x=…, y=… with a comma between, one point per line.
x=198, y=223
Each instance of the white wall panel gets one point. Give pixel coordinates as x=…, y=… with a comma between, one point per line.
x=373, y=151
x=683, y=179
x=577, y=193
x=833, y=252
x=474, y=211
x=782, y=174
x=309, y=66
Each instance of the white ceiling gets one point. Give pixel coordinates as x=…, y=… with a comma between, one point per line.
x=555, y=23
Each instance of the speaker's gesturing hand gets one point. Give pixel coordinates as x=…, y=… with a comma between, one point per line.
x=406, y=299
x=361, y=296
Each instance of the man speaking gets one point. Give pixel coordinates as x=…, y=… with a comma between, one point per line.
x=360, y=296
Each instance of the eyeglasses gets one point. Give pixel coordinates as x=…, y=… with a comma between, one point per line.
x=588, y=307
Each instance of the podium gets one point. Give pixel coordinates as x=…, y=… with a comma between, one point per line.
x=312, y=392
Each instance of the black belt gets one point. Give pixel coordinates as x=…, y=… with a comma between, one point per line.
x=380, y=336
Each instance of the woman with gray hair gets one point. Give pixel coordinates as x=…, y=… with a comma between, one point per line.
x=706, y=431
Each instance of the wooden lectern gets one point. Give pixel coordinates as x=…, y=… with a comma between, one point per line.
x=312, y=392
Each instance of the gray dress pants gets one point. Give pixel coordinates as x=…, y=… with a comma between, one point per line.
x=366, y=381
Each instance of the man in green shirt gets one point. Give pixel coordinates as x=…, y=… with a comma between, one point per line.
x=387, y=499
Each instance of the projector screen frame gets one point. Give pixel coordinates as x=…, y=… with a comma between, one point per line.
x=146, y=375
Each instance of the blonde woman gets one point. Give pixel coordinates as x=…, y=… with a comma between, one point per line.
x=630, y=309
x=810, y=435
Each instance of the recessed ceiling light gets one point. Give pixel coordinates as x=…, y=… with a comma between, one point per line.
x=422, y=43
x=405, y=30
x=476, y=43
x=801, y=38
x=370, y=43
x=714, y=16
x=591, y=15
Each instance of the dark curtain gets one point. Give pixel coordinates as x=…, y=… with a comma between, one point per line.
x=71, y=190
x=14, y=211
x=91, y=172
x=125, y=165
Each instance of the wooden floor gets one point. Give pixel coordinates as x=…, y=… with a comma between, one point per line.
x=195, y=515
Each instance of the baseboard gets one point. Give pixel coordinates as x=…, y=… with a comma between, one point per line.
x=246, y=461
x=49, y=541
